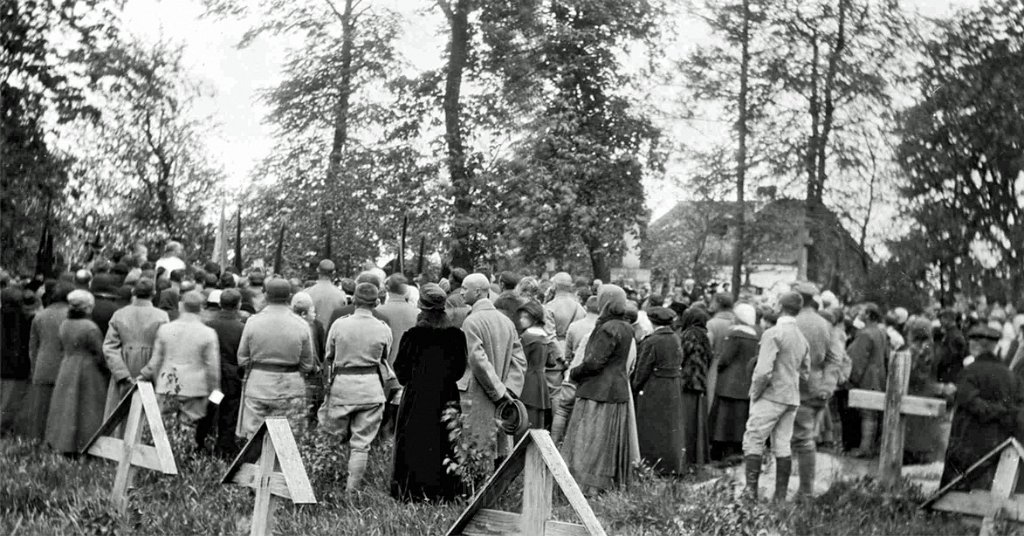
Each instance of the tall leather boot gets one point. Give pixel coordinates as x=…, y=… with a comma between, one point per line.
x=752, y=470
x=356, y=469
x=805, y=468
x=868, y=427
x=783, y=469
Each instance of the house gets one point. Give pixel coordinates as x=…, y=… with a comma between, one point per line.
x=785, y=243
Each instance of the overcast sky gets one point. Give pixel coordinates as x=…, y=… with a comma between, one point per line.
x=235, y=75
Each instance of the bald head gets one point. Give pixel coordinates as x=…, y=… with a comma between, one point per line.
x=475, y=287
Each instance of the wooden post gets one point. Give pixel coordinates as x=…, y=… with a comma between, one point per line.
x=125, y=470
x=263, y=511
x=890, y=463
x=537, y=487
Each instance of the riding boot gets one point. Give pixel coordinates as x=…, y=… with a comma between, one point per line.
x=356, y=469
x=805, y=468
x=783, y=469
x=752, y=470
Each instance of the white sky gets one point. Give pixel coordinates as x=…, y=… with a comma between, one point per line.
x=235, y=75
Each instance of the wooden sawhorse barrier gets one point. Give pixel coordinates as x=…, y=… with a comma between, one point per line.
x=536, y=454
x=129, y=452
x=279, y=473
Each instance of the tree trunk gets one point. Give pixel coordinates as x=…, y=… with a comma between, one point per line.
x=238, y=241
x=279, y=254
x=827, y=116
x=341, y=113
x=458, y=50
x=814, y=110
x=741, y=155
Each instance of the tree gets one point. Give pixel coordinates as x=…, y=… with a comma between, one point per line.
x=44, y=46
x=961, y=145
x=142, y=171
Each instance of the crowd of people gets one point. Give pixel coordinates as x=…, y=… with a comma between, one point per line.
x=617, y=375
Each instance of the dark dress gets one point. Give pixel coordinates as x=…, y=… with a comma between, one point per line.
x=539, y=353
x=696, y=358
x=731, y=407
x=15, y=365
x=988, y=398
x=80, y=393
x=229, y=327
x=429, y=362
x=658, y=390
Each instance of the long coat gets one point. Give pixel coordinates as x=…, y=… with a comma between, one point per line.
x=76, y=411
x=428, y=363
x=658, y=389
x=495, y=363
x=539, y=353
x=988, y=399
x=869, y=353
x=45, y=351
x=129, y=345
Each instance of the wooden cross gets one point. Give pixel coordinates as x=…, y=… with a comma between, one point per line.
x=129, y=452
x=1001, y=499
x=896, y=405
x=537, y=455
x=279, y=473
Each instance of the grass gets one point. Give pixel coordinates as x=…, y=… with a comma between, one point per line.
x=43, y=493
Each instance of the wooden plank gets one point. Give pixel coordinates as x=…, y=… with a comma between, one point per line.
x=494, y=487
x=291, y=462
x=115, y=417
x=263, y=510
x=981, y=504
x=920, y=406
x=890, y=460
x=154, y=419
x=497, y=523
x=970, y=471
x=247, y=475
x=537, y=486
x=251, y=449
x=111, y=448
x=125, y=469
x=565, y=481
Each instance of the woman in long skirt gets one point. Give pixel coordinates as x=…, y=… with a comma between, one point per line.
x=47, y=354
x=696, y=358
x=731, y=407
x=431, y=358
x=597, y=446
x=79, y=394
x=658, y=390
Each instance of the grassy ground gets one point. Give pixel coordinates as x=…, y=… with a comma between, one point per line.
x=42, y=493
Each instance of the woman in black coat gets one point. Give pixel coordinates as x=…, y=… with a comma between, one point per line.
x=693, y=333
x=731, y=406
x=658, y=390
x=431, y=358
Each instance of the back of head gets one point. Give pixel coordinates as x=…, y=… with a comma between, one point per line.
x=173, y=248
x=144, y=289
x=227, y=280
x=212, y=267
x=278, y=291
x=871, y=312
x=177, y=275
x=368, y=277
x=528, y=287
x=302, y=303
x=563, y=282
x=745, y=314
x=83, y=277
x=456, y=278
x=60, y=292
x=534, y=310
x=348, y=286
x=366, y=295
x=325, y=268
x=790, y=303
x=508, y=280
x=611, y=300
x=476, y=282
x=192, y=302
x=256, y=278
x=591, y=305
x=230, y=299
x=919, y=329
x=724, y=300
x=396, y=284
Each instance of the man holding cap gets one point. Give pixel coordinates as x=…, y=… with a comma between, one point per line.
x=988, y=399
x=496, y=365
x=185, y=362
x=228, y=325
x=361, y=380
x=129, y=340
x=783, y=362
x=327, y=297
x=275, y=350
